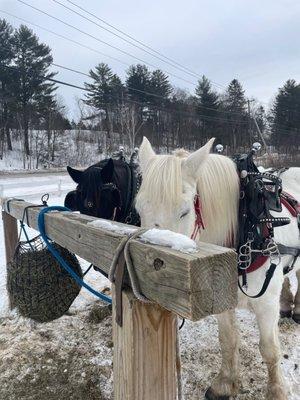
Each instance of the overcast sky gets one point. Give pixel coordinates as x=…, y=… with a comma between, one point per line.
x=256, y=41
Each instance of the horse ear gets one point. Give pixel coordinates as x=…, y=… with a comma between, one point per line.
x=107, y=171
x=146, y=152
x=196, y=159
x=75, y=174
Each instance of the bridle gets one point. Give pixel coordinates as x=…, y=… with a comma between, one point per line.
x=112, y=187
x=199, y=223
x=96, y=205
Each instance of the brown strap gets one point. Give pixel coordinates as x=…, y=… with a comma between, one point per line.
x=119, y=280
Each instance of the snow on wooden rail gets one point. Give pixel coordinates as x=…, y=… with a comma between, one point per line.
x=193, y=285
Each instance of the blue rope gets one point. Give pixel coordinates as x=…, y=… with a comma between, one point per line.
x=55, y=253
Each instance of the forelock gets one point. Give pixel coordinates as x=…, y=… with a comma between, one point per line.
x=162, y=182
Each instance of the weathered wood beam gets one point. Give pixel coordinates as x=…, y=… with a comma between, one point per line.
x=192, y=285
x=10, y=239
x=145, y=357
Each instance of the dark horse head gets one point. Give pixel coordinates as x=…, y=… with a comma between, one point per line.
x=104, y=190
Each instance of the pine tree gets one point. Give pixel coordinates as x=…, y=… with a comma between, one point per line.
x=234, y=103
x=161, y=89
x=207, y=106
x=105, y=93
x=137, y=82
x=32, y=61
x=207, y=99
x=160, y=86
x=235, y=99
x=106, y=88
x=285, y=123
x=6, y=57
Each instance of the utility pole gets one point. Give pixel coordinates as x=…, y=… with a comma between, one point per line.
x=260, y=134
x=252, y=118
x=249, y=122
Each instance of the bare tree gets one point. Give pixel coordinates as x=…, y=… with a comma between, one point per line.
x=130, y=121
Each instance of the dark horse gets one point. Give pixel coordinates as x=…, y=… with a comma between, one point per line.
x=106, y=190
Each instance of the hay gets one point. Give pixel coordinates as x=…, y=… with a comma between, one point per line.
x=98, y=313
x=37, y=285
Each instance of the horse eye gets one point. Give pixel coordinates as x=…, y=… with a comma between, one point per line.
x=184, y=214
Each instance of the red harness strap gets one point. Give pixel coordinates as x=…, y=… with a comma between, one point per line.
x=294, y=210
x=199, y=224
x=259, y=262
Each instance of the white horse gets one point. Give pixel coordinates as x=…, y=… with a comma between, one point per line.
x=166, y=200
x=290, y=304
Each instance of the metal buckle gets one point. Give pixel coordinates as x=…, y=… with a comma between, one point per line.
x=271, y=251
x=244, y=259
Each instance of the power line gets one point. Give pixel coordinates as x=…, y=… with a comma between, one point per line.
x=103, y=42
x=138, y=41
x=167, y=110
x=65, y=37
x=174, y=65
x=170, y=111
x=143, y=91
x=132, y=101
x=128, y=87
x=106, y=55
x=198, y=117
x=101, y=53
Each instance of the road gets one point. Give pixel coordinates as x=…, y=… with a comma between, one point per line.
x=29, y=185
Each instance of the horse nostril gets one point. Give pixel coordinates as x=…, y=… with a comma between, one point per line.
x=156, y=225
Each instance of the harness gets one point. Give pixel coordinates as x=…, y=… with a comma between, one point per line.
x=260, y=193
x=128, y=172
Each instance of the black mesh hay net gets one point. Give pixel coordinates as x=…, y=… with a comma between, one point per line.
x=37, y=285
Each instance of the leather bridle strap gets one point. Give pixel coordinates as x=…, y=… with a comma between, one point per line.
x=199, y=223
x=269, y=276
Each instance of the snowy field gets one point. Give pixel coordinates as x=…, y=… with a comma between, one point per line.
x=71, y=358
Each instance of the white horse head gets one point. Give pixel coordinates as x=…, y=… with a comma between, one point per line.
x=170, y=183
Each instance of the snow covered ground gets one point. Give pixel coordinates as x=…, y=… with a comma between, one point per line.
x=71, y=358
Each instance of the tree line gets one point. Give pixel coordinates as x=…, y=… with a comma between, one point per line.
x=144, y=103
x=27, y=98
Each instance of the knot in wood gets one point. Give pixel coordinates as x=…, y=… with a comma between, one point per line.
x=158, y=264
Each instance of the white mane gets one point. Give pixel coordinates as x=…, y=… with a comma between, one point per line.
x=162, y=181
x=217, y=186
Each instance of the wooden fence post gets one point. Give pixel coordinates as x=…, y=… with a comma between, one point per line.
x=10, y=228
x=145, y=357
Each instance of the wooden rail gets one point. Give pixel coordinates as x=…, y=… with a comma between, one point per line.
x=146, y=357
x=192, y=285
